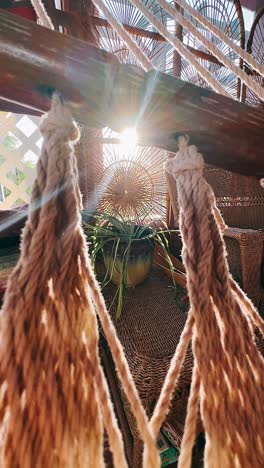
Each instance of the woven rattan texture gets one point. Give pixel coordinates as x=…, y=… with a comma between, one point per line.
x=239, y=198
x=149, y=329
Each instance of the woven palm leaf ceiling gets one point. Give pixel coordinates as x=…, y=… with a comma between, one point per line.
x=227, y=16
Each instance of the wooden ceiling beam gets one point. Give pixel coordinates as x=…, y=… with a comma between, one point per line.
x=100, y=92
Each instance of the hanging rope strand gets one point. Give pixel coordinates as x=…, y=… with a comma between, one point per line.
x=114, y=435
x=128, y=40
x=251, y=84
x=179, y=47
x=152, y=459
x=191, y=422
x=170, y=383
x=250, y=308
x=254, y=64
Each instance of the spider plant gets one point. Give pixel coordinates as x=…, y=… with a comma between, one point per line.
x=125, y=248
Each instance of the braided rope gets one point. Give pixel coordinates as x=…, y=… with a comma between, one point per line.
x=152, y=459
x=42, y=14
x=220, y=35
x=43, y=359
x=226, y=358
x=189, y=435
x=179, y=47
x=114, y=435
x=251, y=84
x=170, y=383
x=128, y=40
x=55, y=394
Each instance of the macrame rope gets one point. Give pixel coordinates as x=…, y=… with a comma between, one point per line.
x=179, y=47
x=128, y=40
x=251, y=84
x=42, y=13
x=254, y=64
x=54, y=393
x=110, y=422
x=185, y=458
x=170, y=383
x=152, y=457
x=48, y=401
x=228, y=376
x=250, y=308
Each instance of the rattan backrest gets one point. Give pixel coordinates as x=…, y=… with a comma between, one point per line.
x=239, y=198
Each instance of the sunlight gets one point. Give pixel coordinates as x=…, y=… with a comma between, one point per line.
x=128, y=139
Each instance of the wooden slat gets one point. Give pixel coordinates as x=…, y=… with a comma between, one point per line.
x=102, y=92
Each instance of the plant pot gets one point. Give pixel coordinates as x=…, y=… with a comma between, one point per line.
x=139, y=261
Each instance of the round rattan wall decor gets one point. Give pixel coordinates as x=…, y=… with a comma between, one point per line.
x=131, y=184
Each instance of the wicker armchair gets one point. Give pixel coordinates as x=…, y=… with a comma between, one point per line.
x=241, y=202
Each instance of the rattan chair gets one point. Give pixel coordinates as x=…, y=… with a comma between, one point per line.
x=241, y=202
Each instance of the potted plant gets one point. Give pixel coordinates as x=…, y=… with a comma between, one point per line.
x=125, y=248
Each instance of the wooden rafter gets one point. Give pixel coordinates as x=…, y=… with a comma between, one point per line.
x=101, y=92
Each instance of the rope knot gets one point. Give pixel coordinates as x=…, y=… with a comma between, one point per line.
x=59, y=119
x=186, y=159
